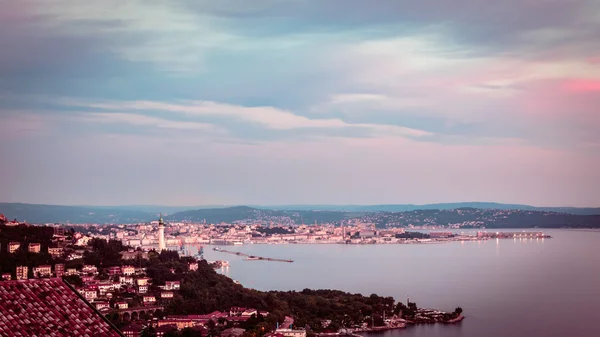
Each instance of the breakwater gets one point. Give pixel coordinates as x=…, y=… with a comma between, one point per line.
x=251, y=257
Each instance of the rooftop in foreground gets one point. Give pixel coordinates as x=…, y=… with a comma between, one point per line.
x=48, y=307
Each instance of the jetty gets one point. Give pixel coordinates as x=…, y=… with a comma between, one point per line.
x=251, y=257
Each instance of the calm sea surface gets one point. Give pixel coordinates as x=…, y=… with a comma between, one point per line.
x=546, y=288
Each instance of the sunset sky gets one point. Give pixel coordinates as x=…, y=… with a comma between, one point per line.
x=300, y=102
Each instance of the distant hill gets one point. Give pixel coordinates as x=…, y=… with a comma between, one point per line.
x=33, y=213
x=442, y=206
x=489, y=218
x=519, y=216
x=237, y=213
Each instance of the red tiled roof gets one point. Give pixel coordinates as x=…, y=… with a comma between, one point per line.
x=48, y=307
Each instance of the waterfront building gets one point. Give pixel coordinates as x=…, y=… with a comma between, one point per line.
x=6, y=277
x=291, y=332
x=440, y=234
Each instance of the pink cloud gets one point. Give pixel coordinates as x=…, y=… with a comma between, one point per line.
x=594, y=60
x=582, y=85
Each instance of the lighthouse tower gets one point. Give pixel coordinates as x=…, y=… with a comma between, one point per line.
x=161, y=235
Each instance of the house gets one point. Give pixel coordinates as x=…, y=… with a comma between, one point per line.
x=101, y=305
x=142, y=289
x=59, y=270
x=6, y=277
x=22, y=272
x=34, y=247
x=193, y=266
x=122, y=305
x=132, y=330
x=149, y=299
x=166, y=294
x=128, y=270
x=143, y=281
x=71, y=271
x=42, y=271
x=249, y=312
x=104, y=287
x=89, y=269
x=236, y=311
x=88, y=279
x=60, y=312
x=126, y=279
x=90, y=294
x=113, y=271
x=172, y=285
x=13, y=246
x=55, y=251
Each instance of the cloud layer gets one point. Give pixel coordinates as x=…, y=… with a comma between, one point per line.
x=297, y=101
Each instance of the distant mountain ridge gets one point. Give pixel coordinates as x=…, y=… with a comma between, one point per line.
x=440, y=206
x=35, y=213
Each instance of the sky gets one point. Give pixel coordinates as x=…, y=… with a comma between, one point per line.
x=203, y=102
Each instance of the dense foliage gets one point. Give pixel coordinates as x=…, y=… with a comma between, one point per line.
x=205, y=291
x=412, y=235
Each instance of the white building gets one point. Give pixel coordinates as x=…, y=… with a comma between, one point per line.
x=42, y=271
x=149, y=299
x=161, y=235
x=291, y=333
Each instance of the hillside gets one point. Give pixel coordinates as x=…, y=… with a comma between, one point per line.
x=490, y=218
x=442, y=206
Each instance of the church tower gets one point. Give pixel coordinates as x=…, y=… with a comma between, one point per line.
x=161, y=234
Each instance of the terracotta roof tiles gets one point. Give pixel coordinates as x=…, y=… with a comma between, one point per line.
x=48, y=307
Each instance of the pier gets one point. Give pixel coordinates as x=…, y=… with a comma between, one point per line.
x=251, y=257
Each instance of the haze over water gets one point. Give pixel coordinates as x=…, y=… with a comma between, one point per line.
x=508, y=287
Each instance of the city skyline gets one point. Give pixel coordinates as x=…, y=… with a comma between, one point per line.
x=284, y=102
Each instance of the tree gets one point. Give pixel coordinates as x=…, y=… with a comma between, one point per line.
x=73, y=280
x=148, y=332
x=190, y=332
